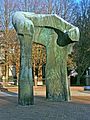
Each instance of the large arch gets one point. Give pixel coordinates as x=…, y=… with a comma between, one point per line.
x=55, y=34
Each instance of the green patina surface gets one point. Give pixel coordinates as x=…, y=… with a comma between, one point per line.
x=54, y=33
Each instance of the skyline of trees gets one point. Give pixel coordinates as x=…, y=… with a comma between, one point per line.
x=63, y=8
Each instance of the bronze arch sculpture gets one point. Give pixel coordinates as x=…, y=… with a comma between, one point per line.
x=54, y=33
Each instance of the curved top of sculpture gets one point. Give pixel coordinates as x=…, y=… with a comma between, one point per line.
x=23, y=19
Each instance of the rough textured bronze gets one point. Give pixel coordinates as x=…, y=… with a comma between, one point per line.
x=55, y=34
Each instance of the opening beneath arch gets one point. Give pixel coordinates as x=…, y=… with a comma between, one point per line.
x=38, y=68
x=38, y=63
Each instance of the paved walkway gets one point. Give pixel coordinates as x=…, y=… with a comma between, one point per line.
x=44, y=109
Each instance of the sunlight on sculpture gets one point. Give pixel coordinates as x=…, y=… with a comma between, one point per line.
x=55, y=34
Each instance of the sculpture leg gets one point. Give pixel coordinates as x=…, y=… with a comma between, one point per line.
x=25, y=77
x=56, y=73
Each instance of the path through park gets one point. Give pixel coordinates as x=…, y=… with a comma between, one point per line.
x=77, y=109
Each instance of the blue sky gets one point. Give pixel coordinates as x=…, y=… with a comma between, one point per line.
x=12, y=0
x=78, y=0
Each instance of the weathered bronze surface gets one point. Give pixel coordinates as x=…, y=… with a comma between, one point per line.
x=55, y=34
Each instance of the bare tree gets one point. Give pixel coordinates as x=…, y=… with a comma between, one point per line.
x=82, y=48
x=8, y=40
